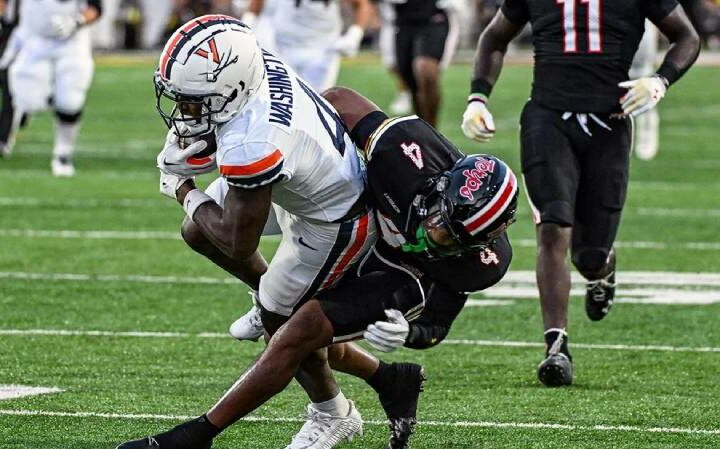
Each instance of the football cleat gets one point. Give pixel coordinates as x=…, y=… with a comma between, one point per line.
x=599, y=297
x=149, y=443
x=325, y=431
x=400, y=399
x=557, y=369
x=248, y=326
x=62, y=166
x=401, y=104
x=5, y=150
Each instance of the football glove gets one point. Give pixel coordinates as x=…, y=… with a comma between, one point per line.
x=456, y=6
x=170, y=183
x=643, y=94
x=478, y=123
x=387, y=336
x=183, y=161
x=63, y=27
x=349, y=43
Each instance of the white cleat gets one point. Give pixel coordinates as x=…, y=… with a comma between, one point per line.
x=401, y=104
x=5, y=150
x=324, y=431
x=62, y=166
x=248, y=326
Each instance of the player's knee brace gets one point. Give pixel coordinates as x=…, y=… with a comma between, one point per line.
x=589, y=259
x=68, y=118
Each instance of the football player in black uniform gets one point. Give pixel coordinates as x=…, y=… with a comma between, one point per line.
x=425, y=39
x=444, y=218
x=575, y=136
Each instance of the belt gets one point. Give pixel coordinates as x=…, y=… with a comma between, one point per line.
x=357, y=210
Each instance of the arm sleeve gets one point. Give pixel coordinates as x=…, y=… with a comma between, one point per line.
x=367, y=125
x=516, y=11
x=656, y=10
x=432, y=326
x=252, y=165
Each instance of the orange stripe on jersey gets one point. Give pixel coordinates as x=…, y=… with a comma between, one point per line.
x=255, y=168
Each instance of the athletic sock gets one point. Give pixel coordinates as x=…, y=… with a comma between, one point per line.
x=379, y=380
x=194, y=434
x=551, y=339
x=65, y=139
x=337, y=406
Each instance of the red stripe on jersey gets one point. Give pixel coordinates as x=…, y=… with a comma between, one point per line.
x=500, y=203
x=355, y=247
x=255, y=168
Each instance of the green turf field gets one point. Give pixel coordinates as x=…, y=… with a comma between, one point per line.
x=100, y=298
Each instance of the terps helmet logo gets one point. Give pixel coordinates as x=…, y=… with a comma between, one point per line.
x=474, y=177
x=221, y=61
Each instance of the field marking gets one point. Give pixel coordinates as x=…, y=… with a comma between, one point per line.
x=163, y=235
x=461, y=342
x=461, y=424
x=20, y=391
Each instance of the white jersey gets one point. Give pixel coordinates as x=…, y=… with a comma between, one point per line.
x=36, y=17
x=290, y=136
x=307, y=23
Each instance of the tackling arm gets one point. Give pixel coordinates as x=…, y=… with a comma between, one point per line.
x=685, y=45
x=350, y=105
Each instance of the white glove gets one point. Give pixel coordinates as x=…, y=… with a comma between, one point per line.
x=478, y=123
x=349, y=43
x=182, y=161
x=387, y=336
x=643, y=94
x=456, y=6
x=249, y=18
x=169, y=183
x=64, y=26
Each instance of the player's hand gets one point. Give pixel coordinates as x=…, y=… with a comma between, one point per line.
x=63, y=26
x=387, y=336
x=349, y=43
x=478, y=123
x=643, y=95
x=184, y=161
x=170, y=183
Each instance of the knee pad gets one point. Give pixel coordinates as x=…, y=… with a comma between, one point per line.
x=590, y=259
x=68, y=117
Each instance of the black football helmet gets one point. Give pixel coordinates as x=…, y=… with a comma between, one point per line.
x=465, y=208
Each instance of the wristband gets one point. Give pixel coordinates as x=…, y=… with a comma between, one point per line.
x=482, y=98
x=481, y=86
x=193, y=200
x=669, y=73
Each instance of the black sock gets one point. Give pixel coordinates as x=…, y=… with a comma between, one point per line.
x=379, y=380
x=550, y=339
x=194, y=434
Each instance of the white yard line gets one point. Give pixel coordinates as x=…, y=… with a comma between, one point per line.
x=20, y=391
x=460, y=424
x=462, y=342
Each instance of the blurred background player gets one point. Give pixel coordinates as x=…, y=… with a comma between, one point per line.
x=647, y=126
x=307, y=35
x=401, y=104
x=425, y=40
x=53, y=64
x=8, y=22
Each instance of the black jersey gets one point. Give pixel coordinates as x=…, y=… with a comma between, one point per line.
x=415, y=12
x=403, y=156
x=584, y=48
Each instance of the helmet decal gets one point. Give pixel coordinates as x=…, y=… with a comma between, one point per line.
x=493, y=209
x=474, y=177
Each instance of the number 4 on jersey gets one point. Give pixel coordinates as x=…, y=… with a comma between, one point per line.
x=594, y=27
x=412, y=151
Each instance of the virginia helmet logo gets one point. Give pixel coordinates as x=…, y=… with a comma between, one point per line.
x=213, y=56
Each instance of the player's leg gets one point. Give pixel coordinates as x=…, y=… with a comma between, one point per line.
x=601, y=196
x=429, y=48
x=404, y=38
x=647, y=126
x=551, y=174
x=73, y=74
x=401, y=104
x=6, y=115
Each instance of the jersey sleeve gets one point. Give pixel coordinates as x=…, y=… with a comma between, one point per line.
x=516, y=11
x=252, y=165
x=656, y=10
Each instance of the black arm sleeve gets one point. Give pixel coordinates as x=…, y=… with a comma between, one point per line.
x=684, y=40
x=442, y=306
x=516, y=11
x=365, y=127
x=97, y=4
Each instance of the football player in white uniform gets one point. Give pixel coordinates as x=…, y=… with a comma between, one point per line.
x=647, y=126
x=53, y=60
x=308, y=35
x=277, y=142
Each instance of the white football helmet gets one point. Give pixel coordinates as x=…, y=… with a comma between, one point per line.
x=208, y=69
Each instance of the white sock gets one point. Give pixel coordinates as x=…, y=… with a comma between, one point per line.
x=65, y=138
x=337, y=406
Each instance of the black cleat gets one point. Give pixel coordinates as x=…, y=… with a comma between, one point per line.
x=556, y=370
x=400, y=399
x=599, y=297
x=145, y=443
